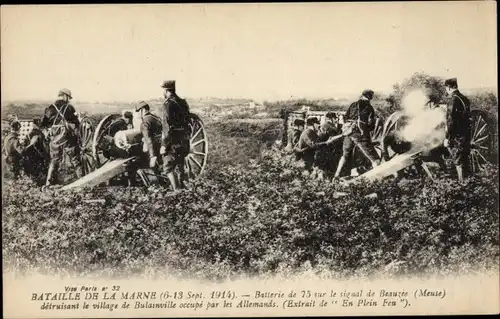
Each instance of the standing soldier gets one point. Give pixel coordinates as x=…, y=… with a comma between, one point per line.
x=175, y=141
x=151, y=129
x=361, y=116
x=458, y=127
x=62, y=122
x=13, y=150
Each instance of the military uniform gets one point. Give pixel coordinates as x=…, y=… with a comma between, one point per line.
x=117, y=125
x=36, y=155
x=327, y=156
x=308, y=143
x=13, y=152
x=61, y=120
x=151, y=129
x=362, y=115
x=458, y=128
x=294, y=136
x=175, y=133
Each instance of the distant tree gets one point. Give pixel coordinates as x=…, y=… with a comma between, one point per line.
x=432, y=85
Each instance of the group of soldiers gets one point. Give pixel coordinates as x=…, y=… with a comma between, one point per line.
x=166, y=139
x=312, y=140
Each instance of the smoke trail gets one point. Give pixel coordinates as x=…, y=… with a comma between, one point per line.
x=424, y=126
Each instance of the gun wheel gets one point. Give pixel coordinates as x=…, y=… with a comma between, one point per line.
x=196, y=160
x=480, y=141
x=86, y=133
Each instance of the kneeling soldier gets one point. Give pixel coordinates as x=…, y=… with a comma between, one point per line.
x=294, y=134
x=309, y=142
x=13, y=150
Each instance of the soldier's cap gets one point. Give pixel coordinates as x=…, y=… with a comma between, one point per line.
x=298, y=122
x=15, y=126
x=141, y=105
x=312, y=120
x=452, y=83
x=169, y=85
x=368, y=93
x=127, y=114
x=65, y=92
x=331, y=115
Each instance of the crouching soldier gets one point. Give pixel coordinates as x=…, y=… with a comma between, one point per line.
x=36, y=154
x=294, y=134
x=175, y=141
x=13, y=150
x=309, y=143
x=62, y=122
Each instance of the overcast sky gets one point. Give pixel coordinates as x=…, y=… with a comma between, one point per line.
x=267, y=51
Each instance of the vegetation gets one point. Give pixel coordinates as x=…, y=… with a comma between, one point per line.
x=255, y=213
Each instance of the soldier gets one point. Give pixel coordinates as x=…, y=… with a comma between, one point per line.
x=36, y=154
x=458, y=127
x=327, y=157
x=13, y=150
x=175, y=141
x=361, y=116
x=151, y=129
x=122, y=123
x=329, y=125
x=62, y=122
x=309, y=142
x=294, y=134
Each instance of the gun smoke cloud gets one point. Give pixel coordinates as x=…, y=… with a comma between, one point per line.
x=424, y=126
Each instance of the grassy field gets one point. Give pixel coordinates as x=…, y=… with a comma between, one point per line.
x=254, y=213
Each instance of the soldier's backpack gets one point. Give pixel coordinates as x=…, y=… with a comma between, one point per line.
x=179, y=116
x=360, y=126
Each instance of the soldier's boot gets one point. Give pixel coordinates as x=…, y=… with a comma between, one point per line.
x=182, y=176
x=173, y=181
x=51, y=175
x=460, y=173
x=77, y=164
x=340, y=166
x=79, y=171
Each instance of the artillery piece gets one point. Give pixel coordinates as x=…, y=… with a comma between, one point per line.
x=400, y=154
x=108, y=167
x=99, y=167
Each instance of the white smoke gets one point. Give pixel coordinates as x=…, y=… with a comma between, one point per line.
x=425, y=127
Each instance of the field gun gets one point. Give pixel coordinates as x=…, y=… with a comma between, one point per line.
x=482, y=140
x=107, y=166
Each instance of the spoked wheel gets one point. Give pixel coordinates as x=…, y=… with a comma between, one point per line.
x=99, y=142
x=376, y=135
x=390, y=143
x=86, y=153
x=196, y=160
x=480, y=140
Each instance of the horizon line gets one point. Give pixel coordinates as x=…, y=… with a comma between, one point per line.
x=340, y=96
